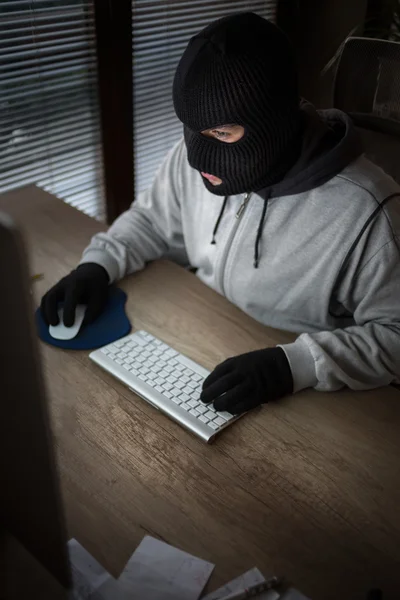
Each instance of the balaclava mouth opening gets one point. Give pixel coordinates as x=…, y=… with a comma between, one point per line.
x=240, y=69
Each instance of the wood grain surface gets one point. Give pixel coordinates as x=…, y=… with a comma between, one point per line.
x=308, y=487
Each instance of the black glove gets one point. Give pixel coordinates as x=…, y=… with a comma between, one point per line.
x=248, y=380
x=88, y=284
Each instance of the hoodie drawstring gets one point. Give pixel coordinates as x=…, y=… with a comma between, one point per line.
x=259, y=233
x=219, y=220
x=259, y=230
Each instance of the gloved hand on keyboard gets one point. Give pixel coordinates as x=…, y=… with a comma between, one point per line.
x=245, y=381
x=88, y=284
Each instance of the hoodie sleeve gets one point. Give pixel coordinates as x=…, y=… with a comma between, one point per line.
x=150, y=229
x=365, y=355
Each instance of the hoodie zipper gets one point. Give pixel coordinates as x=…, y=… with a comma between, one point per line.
x=228, y=244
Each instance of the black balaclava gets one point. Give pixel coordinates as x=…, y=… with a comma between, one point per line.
x=240, y=69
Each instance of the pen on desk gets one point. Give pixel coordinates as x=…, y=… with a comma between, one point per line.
x=254, y=590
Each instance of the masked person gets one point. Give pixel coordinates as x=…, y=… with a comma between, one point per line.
x=278, y=210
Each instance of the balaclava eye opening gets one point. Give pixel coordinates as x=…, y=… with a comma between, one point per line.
x=240, y=69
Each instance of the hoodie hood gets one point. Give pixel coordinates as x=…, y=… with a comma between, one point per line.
x=330, y=143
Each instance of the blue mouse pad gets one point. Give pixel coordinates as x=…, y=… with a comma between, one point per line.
x=111, y=325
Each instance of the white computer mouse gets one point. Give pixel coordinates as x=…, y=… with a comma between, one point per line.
x=61, y=332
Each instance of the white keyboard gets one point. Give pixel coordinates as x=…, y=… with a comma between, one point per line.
x=166, y=379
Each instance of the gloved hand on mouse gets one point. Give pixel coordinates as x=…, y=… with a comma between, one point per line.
x=245, y=381
x=87, y=284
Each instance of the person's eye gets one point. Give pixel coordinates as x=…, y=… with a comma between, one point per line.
x=221, y=135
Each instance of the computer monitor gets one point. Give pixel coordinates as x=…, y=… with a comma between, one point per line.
x=30, y=502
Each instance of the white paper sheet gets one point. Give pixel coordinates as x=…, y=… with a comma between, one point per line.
x=157, y=571
x=87, y=573
x=244, y=581
x=110, y=590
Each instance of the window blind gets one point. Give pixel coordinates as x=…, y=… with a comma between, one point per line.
x=49, y=109
x=161, y=31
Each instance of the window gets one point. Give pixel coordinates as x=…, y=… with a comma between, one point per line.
x=161, y=31
x=49, y=113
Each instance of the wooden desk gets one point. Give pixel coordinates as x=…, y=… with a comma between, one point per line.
x=308, y=487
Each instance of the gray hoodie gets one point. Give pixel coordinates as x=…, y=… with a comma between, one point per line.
x=328, y=264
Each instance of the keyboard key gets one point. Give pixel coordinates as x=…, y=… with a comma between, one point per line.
x=143, y=370
x=168, y=369
x=151, y=375
x=146, y=354
x=184, y=397
x=185, y=379
x=113, y=348
x=197, y=377
x=129, y=360
x=153, y=359
x=210, y=414
x=185, y=406
x=172, y=362
x=160, y=381
x=179, y=384
x=134, y=371
x=194, y=412
x=121, y=355
x=167, y=386
x=188, y=390
x=139, y=340
x=193, y=385
x=119, y=343
x=188, y=372
x=167, y=394
x=140, y=359
x=163, y=374
x=219, y=421
x=151, y=382
x=171, y=353
x=213, y=425
x=180, y=367
x=155, y=369
x=142, y=377
x=171, y=379
x=119, y=361
x=202, y=409
x=105, y=350
x=193, y=403
x=112, y=356
x=157, y=342
x=175, y=391
x=225, y=415
x=159, y=389
x=203, y=418
x=127, y=367
x=176, y=400
x=157, y=353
